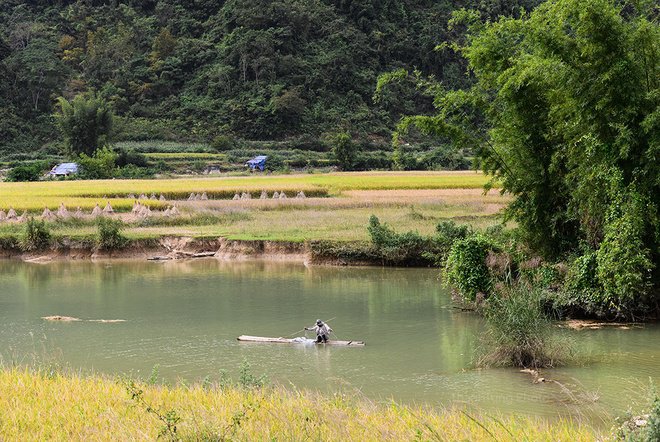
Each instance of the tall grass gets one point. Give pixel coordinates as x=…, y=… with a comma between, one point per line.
x=519, y=332
x=52, y=406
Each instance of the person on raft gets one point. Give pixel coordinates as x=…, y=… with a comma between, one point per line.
x=322, y=331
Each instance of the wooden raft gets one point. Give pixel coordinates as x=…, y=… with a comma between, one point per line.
x=294, y=341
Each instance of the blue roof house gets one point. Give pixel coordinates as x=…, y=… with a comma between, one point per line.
x=257, y=162
x=64, y=169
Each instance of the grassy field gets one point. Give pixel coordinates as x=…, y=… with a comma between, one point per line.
x=337, y=206
x=46, y=405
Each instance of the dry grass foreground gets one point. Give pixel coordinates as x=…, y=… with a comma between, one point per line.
x=51, y=406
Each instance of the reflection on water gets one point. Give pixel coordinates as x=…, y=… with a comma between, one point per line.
x=185, y=316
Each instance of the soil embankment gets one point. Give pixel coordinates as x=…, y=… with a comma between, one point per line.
x=172, y=248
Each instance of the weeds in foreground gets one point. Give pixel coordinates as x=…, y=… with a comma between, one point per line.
x=109, y=236
x=168, y=418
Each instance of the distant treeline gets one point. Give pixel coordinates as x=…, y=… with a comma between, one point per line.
x=247, y=69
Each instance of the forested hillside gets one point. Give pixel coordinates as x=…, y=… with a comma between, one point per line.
x=249, y=69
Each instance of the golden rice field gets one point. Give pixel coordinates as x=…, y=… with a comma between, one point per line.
x=34, y=197
x=52, y=406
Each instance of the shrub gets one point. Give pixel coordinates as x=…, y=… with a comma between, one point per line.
x=400, y=248
x=223, y=143
x=26, y=172
x=99, y=166
x=109, y=235
x=466, y=269
x=36, y=235
x=127, y=157
x=343, y=150
x=519, y=333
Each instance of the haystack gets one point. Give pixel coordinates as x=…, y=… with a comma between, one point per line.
x=301, y=195
x=236, y=197
x=167, y=212
x=62, y=212
x=282, y=195
x=11, y=214
x=174, y=211
x=97, y=210
x=162, y=198
x=191, y=197
x=23, y=217
x=136, y=207
x=47, y=214
x=204, y=197
x=79, y=213
x=246, y=196
x=264, y=195
x=142, y=196
x=130, y=196
x=153, y=197
x=108, y=208
x=276, y=195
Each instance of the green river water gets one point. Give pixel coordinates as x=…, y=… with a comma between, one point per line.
x=185, y=316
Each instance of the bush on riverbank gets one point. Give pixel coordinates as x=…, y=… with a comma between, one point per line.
x=519, y=332
x=47, y=405
x=109, y=236
x=36, y=235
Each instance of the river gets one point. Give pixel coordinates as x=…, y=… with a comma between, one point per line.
x=184, y=316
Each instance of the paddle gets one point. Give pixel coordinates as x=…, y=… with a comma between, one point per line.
x=295, y=333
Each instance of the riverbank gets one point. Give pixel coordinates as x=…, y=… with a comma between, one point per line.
x=169, y=248
x=46, y=405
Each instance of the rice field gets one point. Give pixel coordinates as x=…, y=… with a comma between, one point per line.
x=47, y=405
x=335, y=207
x=34, y=197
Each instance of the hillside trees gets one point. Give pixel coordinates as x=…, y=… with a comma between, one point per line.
x=86, y=124
x=570, y=98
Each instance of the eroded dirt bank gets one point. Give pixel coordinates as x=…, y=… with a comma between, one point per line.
x=172, y=248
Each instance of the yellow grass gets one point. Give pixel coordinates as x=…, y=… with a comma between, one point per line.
x=46, y=406
x=35, y=196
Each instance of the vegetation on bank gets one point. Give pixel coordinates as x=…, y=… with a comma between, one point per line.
x=564, y=112
x=46, y=404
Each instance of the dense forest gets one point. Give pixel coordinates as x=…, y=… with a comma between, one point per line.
x=195, y=70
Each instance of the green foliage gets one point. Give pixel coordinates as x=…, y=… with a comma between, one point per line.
x=408, y=248
x=27, y=172
x=519, y=333
x=36, y=235
x=248, y=380
x=222, y=143
x=109, y=235
x=466, y=269
x=85, y=123
x=624, y=263
x=563, y=113
x=99, y=166
x=343, y=150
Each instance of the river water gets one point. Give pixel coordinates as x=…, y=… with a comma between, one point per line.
x=185, y=316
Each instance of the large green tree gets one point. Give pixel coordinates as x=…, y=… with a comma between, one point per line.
x=564, y=114
x=85, y=123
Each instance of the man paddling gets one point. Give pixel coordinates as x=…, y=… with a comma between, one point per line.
x=322, y=331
